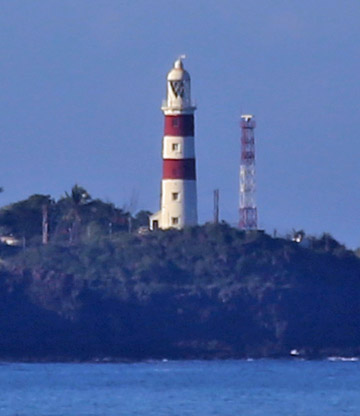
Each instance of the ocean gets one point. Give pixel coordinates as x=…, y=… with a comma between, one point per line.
x=182, y=388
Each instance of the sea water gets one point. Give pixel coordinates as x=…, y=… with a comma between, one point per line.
x=182, y=388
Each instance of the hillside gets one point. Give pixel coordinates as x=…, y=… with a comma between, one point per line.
x=205, y=292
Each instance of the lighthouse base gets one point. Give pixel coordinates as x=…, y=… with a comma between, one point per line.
x=178, y=205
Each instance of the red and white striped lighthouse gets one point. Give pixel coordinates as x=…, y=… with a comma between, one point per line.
x=178, y=201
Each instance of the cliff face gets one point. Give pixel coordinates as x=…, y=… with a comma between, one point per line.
x=205, y=292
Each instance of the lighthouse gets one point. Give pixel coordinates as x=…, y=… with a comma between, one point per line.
x=178, y=200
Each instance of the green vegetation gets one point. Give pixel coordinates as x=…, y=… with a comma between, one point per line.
x=97, y=290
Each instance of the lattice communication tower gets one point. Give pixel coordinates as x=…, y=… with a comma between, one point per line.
x=248, y=210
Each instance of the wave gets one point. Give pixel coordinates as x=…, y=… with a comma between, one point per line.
x=351, y=359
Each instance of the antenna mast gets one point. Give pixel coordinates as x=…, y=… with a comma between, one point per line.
x=248, y=210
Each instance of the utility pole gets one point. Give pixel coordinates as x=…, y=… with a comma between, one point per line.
x=45, y=224
x=216, y=206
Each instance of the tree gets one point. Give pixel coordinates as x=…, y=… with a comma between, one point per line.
x=24, y=218
x=103, y=218
x=142, y=219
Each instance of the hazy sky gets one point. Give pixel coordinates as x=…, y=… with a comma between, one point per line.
x=81, y=85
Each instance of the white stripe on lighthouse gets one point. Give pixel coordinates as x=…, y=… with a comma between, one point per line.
x=178, y=147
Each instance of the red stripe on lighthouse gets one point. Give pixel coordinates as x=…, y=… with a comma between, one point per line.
x=179, y=169
x=182, y=125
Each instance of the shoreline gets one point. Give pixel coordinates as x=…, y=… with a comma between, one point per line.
x=112, y=360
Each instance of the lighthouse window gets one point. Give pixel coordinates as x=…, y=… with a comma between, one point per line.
x=175, y=196
x=178, y=88
x=174, y=220
x=176, y=147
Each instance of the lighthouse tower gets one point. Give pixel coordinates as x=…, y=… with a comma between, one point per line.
x=178, y=201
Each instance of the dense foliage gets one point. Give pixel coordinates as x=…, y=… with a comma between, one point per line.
x=97, y=291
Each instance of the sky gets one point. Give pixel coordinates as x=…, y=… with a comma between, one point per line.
x=82, y=81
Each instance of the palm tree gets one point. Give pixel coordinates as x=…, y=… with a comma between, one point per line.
x=73, y=204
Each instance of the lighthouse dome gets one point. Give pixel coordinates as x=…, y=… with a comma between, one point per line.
x=178, y=73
